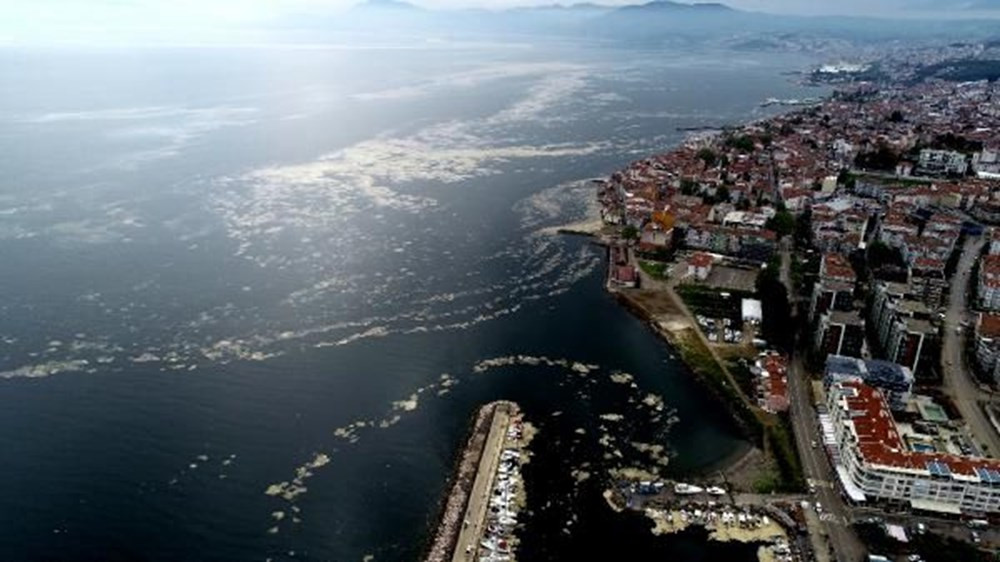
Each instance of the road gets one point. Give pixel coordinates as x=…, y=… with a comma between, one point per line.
x=959, y=382
x=815, y=465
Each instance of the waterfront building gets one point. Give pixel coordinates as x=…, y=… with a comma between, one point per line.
x=876, y=462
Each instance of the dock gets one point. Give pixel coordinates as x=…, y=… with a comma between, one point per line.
x=466, y=519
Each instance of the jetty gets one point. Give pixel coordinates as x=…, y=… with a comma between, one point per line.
x=479, y=516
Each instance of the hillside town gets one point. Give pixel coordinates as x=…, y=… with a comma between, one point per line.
x=841, y=264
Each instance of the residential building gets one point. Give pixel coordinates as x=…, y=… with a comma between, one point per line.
x=988, y=345
x=943, y=162
x=989, y=282
x=893, y=379
x=875, y=462
x=903, y=327
x=841, y=333
x=771, y=369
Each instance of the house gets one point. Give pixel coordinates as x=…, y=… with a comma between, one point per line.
x=771, y=370
x=699, y=266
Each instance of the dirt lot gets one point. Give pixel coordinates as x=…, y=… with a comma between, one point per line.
x=733, y=278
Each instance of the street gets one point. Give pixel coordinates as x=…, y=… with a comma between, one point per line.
x=815, y=465
x=959, y=382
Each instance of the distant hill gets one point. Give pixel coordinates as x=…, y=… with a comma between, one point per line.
x=387, y=5
x=678, y=7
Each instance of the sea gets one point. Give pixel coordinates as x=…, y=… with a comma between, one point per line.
x=251, y=297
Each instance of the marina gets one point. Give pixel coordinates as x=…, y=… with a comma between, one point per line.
x=481, y=513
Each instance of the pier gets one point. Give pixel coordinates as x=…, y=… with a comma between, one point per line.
x=487, y=475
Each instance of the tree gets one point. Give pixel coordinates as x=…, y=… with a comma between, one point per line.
x=722, y=194
x=707, y=155
x=783, y=223
x=630, y=232
x=688, y=187
x=777, y=310
x=803, y=229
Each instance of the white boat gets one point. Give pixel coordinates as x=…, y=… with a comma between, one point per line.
x=716, y=491
x=687, y=489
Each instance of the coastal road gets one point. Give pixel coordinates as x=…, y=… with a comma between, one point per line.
x=815, y=465
x=959, y=383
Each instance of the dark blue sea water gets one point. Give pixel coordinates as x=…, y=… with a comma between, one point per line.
x=228, y=272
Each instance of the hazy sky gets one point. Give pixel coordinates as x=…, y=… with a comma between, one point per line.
x=22, y=20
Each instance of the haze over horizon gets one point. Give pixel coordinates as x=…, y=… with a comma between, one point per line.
x=244, y=20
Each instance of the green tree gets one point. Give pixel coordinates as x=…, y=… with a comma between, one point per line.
x=630, y=232
x=707, y=155
x=783, y=223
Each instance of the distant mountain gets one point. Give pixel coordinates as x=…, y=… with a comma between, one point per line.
x=387, y=5
x=678, y=7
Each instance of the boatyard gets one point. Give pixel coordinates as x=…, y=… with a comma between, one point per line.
x=770, y=522
x=480, y=515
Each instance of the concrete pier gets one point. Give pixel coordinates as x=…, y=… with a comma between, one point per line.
x=464, y=516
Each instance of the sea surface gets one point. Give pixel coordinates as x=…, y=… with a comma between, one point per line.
x=250, y=298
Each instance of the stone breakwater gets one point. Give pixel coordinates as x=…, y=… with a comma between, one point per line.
x=465, y=474
x=463, y=521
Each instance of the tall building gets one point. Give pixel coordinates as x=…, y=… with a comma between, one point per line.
x=895, y=380
x=841, y=333
x=903, y=327
x=876, y=462
x=989, y=282
x=988, y=345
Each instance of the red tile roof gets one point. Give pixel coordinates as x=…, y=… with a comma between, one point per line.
x=879, y=442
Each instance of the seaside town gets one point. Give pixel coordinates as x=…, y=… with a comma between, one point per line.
x=833, y=274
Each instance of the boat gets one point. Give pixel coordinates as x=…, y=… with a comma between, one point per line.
x=687, y=489
x=716, y=491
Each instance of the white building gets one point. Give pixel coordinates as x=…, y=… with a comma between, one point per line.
x=875, y=463
x=943, y=162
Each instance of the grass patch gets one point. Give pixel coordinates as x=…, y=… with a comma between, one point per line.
x=656, y=270
x=781, y=442
x=700, y=360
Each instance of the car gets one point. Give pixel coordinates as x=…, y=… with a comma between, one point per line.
x=976, y=538
x=812, y=444
x=921, y=528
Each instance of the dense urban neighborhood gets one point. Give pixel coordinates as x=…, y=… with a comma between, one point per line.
x=834, y=273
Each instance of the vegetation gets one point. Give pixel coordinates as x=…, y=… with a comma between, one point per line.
x=630, y=233
x=656, y=270
x=700, y=360
x=712, y=302
x=882, y=159
x=782, y=223
x=774, y=299
x=743, y=143
x=708, y=156
x=781, y=443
